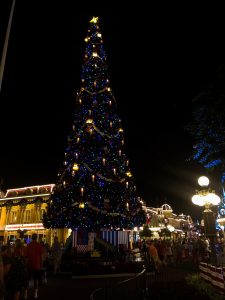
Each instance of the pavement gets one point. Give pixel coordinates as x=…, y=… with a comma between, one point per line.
x=63, y=286
x=168, y=284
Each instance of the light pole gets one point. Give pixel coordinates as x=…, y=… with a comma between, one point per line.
x=207, y=197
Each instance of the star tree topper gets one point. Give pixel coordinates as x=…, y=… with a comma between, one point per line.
x=94, y=20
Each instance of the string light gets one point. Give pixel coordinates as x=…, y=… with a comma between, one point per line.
x=129, y=174
x=81, y=205
x=75, y=167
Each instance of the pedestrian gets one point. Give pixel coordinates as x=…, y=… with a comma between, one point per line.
x=56, y=254
x=1, y=278
x=153, y=253
x=34, y=262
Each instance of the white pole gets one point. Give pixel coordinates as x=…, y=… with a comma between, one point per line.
x=4, y=52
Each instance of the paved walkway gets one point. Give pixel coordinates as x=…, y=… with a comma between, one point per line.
x=63, y=287
x=169, y=284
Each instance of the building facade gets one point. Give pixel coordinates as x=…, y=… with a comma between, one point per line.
x=21, y=212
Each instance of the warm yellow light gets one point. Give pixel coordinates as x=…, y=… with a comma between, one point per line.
x=75, y=167
x=120, y=130
x=86, y=39
x=99, y=35
x=89, y=121
x=129, y=174
x=203, y=181
x=108, y=89
x=81, y=205
x=204, y=199
x=94, y=54
x=94, y=20
x=170, y=228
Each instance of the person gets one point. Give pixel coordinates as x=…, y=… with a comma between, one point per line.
x=56, y=254
x=34, y=262
x=15, y=273
x=1, y=278
x=153, y=253
x=19, y=257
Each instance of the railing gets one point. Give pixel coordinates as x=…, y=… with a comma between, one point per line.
x=132, y=288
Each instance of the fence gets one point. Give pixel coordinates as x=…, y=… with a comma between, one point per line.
x=213, y=275
x=132, y=288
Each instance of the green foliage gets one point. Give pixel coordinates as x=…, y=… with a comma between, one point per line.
x=203, y=288
x=165, y=232
x=146, y=232
x=207, y=125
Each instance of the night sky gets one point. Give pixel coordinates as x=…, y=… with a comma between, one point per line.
x=158, y=61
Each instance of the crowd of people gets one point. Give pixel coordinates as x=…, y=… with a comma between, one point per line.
x=166, y=251
x=23, y=267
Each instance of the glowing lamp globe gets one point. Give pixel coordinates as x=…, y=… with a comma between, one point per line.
x=203, y=181
x=213, y=199
x=198, y=200
x=205, y=198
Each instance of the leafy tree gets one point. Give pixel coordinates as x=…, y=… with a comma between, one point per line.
x=146, y=232
x=165, y=232
x=208, y=126
x=208, y=130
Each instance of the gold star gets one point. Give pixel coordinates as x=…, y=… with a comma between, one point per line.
x=94, y=20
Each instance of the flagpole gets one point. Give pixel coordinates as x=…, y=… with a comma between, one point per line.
x=4, y=52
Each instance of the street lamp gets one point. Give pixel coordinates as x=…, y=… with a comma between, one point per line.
x=207, y=197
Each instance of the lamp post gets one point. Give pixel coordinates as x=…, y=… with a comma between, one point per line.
x=207, y=197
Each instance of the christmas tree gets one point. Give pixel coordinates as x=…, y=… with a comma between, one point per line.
x=95, y=187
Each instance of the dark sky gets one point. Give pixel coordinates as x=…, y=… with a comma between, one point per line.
x=159, y=61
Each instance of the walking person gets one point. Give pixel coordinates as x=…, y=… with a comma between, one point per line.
x=1, y=278
x=34, y=262
x=153, y=253
x=56, y=254
x=15, y=273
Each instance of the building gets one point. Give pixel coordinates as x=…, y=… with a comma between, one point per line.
x=162, y=217
x=21, y=211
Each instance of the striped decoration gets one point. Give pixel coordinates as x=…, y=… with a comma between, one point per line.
x=204, y=271
x=116, y=237
x=212, y=274
x=110, y=237
x=83, y=240
x=217, y=278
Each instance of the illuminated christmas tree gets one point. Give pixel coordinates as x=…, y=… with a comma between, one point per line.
x=95, y=187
